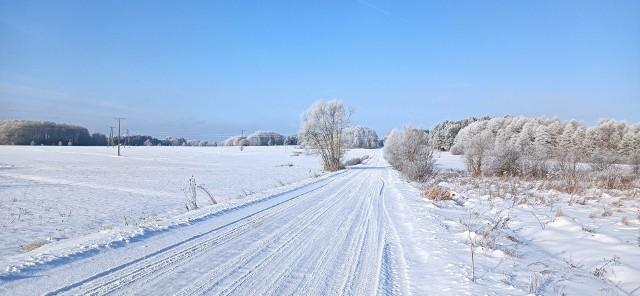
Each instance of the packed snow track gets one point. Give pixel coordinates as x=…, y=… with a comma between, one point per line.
x=332, y=237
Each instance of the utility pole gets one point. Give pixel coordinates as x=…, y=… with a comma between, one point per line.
x=242, y=134
x=111, y=137
x=126, y=143
x=119, y=119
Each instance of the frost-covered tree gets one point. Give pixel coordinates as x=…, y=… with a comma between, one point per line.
x=242, y=143
x=527, y=135
x=410, y=152
x=443, y=134
x=544, y=140
x=291, y=140
x=466, y=134
x=514, y=128
x=571, y=138
x=569, y=153
x=477, y=150
x=603, y=141
x=626, y=145
x=321, y=130
x=170, y=141
x=261, y=138
x=232, y=141
x=360, y=137
x=629, y=147
x=555, y=129
x=607, y=134
x=98, y=139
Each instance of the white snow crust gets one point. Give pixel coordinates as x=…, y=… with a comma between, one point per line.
x=283, y=227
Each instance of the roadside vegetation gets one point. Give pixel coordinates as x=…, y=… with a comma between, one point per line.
x=528, y=182
x=409, y=151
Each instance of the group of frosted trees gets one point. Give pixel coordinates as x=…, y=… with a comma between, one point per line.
x=24, y=132
x=540, y=147
x=443, y=134
x=259, y=138
x=360, y=137
x=352, y=137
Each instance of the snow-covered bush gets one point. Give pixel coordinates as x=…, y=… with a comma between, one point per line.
x=505, y=160
x=534, y=163
x=28, y=247
x=437, y=193
x=191, y=195
x=353, y=161
x=410, y=152
x=356, y=160
x=567, y=166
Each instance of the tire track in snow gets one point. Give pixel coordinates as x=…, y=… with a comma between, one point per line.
x=110, y=280
x=296, y=251
x=226, y=264
x=215, y=278
x=396, y=266
x=146, y=274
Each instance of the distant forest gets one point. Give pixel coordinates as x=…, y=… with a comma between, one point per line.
x=25, y=132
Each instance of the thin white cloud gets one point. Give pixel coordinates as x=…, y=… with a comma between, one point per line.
x=383, y=11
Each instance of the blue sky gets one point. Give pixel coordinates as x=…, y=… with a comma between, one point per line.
x=213, y=68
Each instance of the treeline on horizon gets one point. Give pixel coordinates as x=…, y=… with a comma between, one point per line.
x=25, y=132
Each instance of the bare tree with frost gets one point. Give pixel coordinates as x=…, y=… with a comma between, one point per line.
x=322, y=128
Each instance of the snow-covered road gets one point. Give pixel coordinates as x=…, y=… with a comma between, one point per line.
x=334, y=236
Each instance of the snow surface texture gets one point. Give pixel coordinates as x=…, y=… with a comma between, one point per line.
x=55, y=193
x=361, y=231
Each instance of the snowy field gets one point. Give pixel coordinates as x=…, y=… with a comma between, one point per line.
x=54, y=193
x=112, y=224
